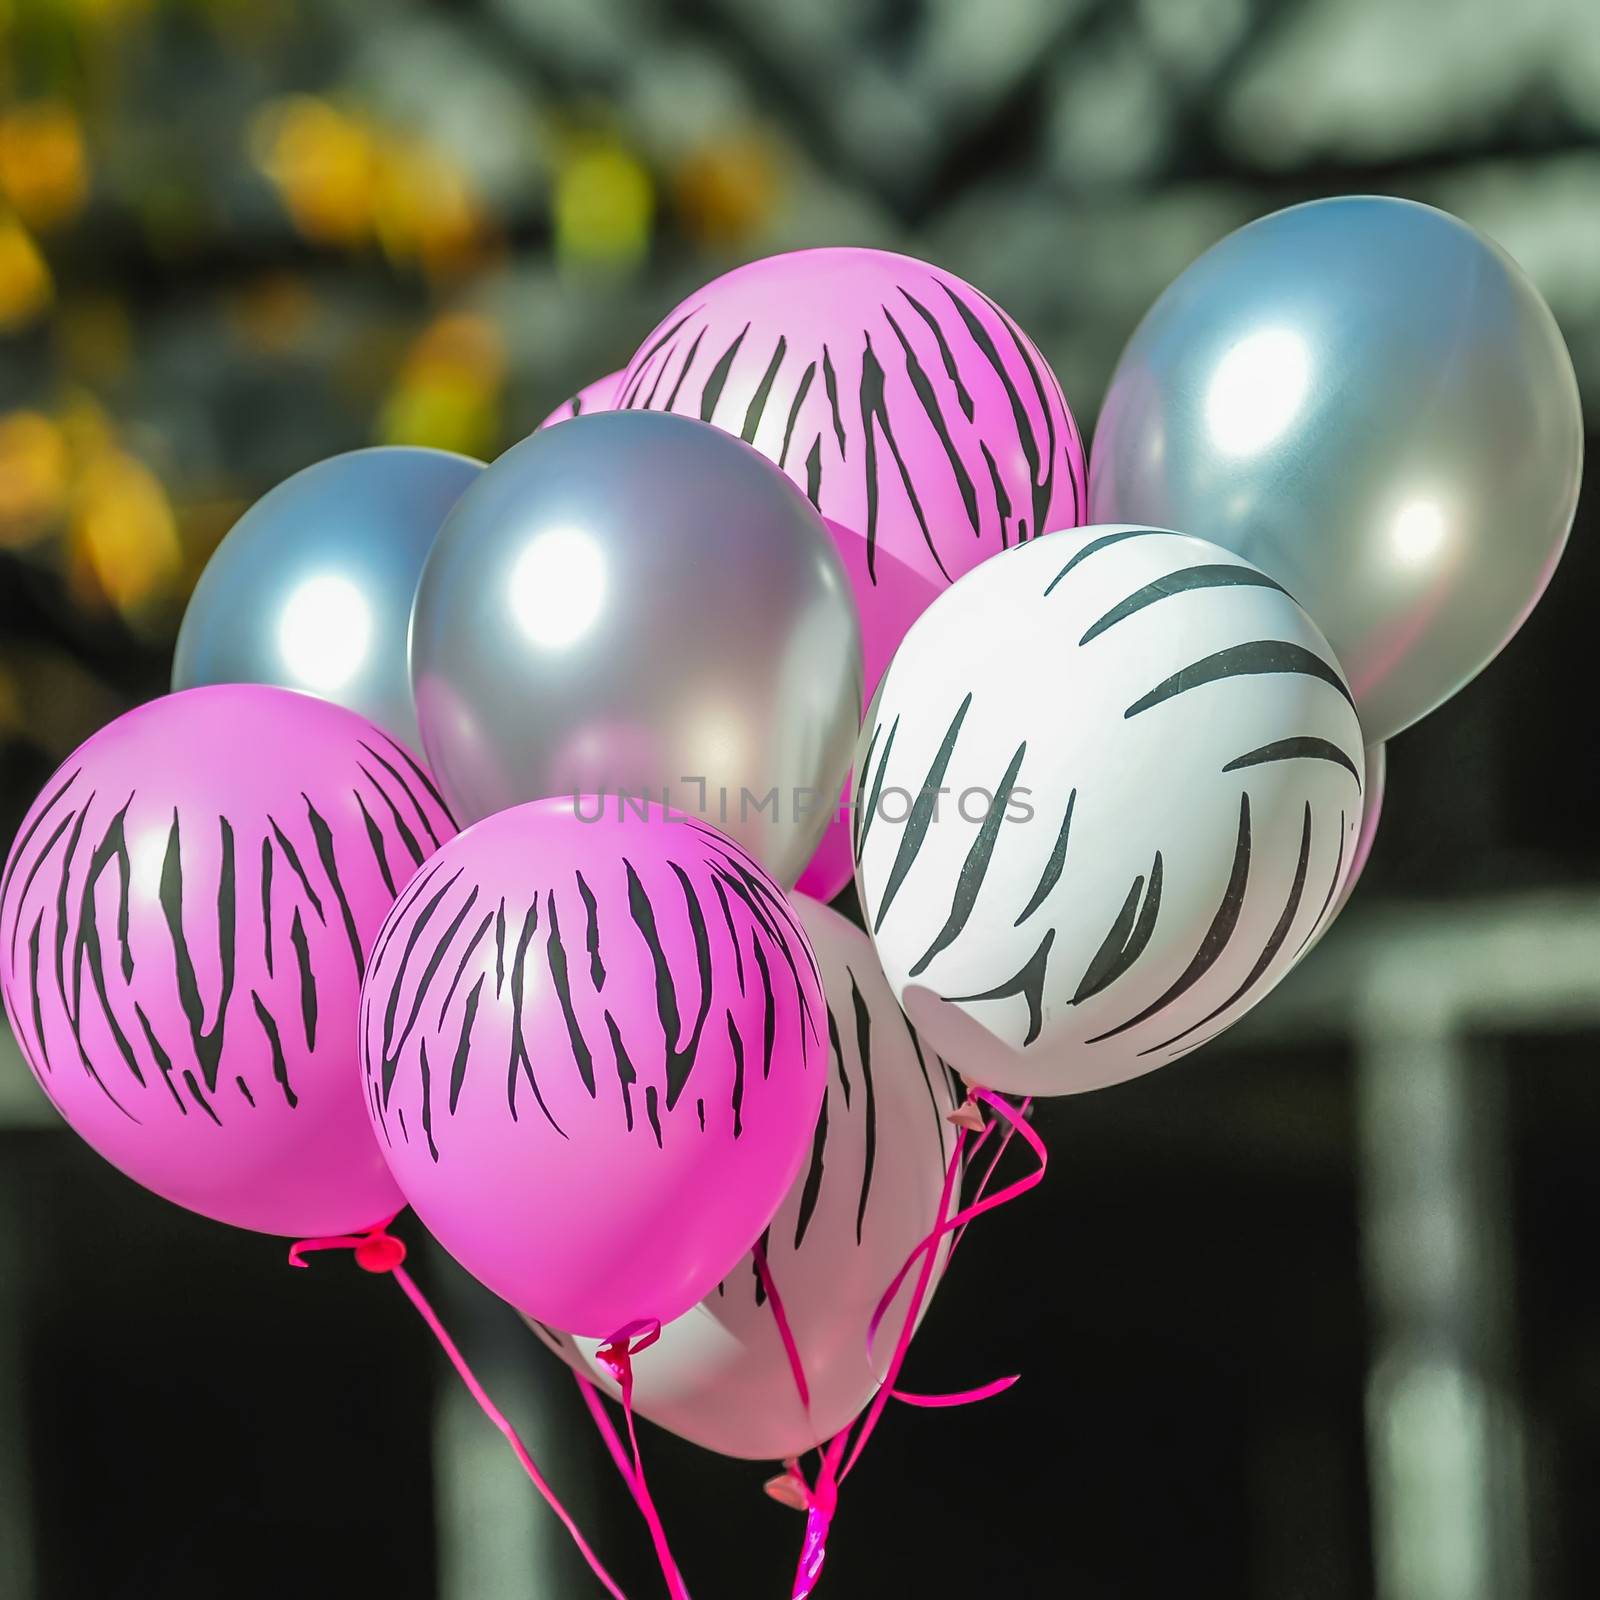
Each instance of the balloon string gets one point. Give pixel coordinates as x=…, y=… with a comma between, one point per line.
x=986, y=1391
x=379, y=1251
x=791, y=1488
x=616, y=1356
x=994, y=1161
x=959, y=1397
x=919, y=1295
x=602, y=1422
x=927, y=1250
x=785, y=1333
x=619, y=1456
x=820, y=1498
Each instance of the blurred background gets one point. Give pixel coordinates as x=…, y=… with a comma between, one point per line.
x=1313, y=1316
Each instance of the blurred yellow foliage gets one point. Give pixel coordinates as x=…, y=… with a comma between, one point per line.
x=86, y=428
x=26, y=286
x=35, y=471
x=44, y=166
x=604, y=205
x=726, y=192
x=347, y=181
x=124, y=534
x=424, y=209
x=323, y=164
x=71, y=473
x=447, y=392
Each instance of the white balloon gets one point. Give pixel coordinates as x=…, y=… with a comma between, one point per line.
x=1112, y=786
x=1375, y=781
x=719, y=1375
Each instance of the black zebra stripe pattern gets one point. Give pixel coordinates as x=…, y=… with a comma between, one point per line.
x=1111, y=786
x=868, y=1192
x=907, y=405
x=184, y=920
x=511, y=985
x=595, y=1043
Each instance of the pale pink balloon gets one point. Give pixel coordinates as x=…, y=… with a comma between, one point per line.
x=184, y=922
x=597, y=396
x=888, y=607
x=907, y=404
x=595, y=1043
x=867, y=1195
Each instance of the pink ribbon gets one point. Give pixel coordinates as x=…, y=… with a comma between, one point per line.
x=379, y=1251
x=820, y=1498
x=785, y=1333
x=986, y=1391
x=959, y=1397
x=616, y=1356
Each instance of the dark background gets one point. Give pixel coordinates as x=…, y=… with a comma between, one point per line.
x=1313, y=1316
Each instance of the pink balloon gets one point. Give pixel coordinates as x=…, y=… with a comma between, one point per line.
x=905, y=403
x=597, y=396
x=866, y=1197
x=183, y=924
x=595, y=1044
x=888, y=607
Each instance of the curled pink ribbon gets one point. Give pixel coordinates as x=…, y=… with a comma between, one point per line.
x=820, y=1497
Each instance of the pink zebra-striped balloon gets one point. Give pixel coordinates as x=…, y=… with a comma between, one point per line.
x=596, y=1045
x=597, y=396
x=183, y=925
x=907, y=404
x=869, y=1192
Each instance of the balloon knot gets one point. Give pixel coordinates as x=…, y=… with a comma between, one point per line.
x=966, y=1115
x=380, y=1252
x=788, y=1491
x=617, y=1353
x=376, y=1250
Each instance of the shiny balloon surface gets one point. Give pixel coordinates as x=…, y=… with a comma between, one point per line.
x=1370, y=401
x=633, y=603
x=312, y=587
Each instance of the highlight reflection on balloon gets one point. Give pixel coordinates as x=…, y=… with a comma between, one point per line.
x=1371, y=402
x=324, y=632
x=634, y=602
x=558, y=587
x=313, y=586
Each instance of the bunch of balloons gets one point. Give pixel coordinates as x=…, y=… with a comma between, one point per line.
x=479, y=861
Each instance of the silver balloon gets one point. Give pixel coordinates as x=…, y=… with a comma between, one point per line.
x=631, y=603
x=1370, y=401
x=312, y=587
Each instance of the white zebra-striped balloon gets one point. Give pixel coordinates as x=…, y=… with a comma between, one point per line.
x=1110, y=787
x=868, y=1193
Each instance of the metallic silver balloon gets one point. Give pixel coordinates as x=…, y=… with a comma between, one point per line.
x=312, y=587
x=631, y=603
x=1371, y=402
